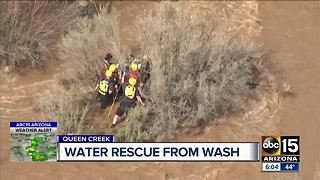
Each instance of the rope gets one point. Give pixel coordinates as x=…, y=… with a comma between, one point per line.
x=114, y=100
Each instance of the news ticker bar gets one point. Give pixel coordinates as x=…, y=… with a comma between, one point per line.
x=169, y=152
x=279, y=167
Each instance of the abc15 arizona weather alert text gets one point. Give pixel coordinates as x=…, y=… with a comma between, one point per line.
x=280, y=153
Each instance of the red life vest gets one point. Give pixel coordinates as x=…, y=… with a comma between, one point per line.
x=133, y=74
x=104, y=72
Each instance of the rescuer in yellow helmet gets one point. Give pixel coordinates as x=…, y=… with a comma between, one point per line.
x=113, y=67
x=105, y=88
x=109, y=65
x=134, y=71
x=131, y=95
x=115, y=74
x=138, y=63
x=134, y=67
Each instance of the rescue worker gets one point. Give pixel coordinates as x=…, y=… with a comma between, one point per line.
x=137, y=62
x=131, y=95
x=134, y=72
x=142, y=73
x=126, y=72
x=132, y=69
x=107, y=61
x=116, y=78
x=105, y=89
x=115, y=74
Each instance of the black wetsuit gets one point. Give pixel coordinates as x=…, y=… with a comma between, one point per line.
x=106, y=99
x=127, y=103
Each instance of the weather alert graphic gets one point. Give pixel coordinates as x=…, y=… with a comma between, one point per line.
x=33, y=141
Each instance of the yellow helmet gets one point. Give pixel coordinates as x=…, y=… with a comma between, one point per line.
x=136, y=61
x=113, y=67
x=132, y=81
x=109, y=73
x=146, y=57
x=134, y=66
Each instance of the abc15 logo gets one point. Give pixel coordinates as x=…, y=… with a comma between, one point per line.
x=280, y=145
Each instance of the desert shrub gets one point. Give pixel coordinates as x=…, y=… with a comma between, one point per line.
x=86, y=44
x=78, y=94
x=65, y=108
x=29, y=28
x=83, y=48
x=133, y=130
x=200, y=70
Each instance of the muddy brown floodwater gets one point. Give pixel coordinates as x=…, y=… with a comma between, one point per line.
x=291, y=35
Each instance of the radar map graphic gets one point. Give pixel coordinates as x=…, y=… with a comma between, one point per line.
x=33, y=147
x=33, y=141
